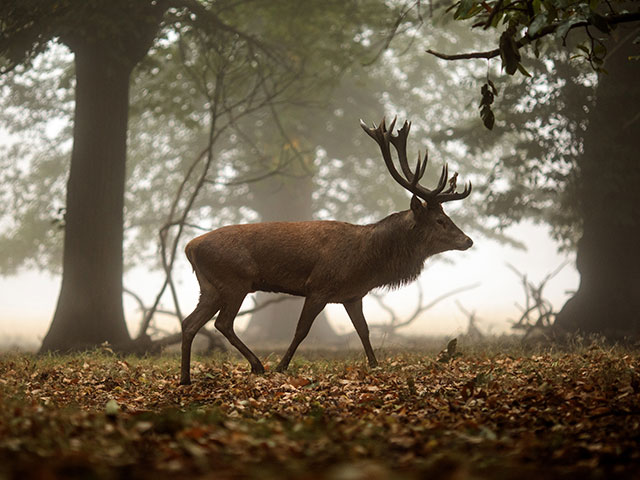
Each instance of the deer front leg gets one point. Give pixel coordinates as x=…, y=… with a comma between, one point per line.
x=224, y=323
x=310, y=311
x=190, y=326
x=354, y=309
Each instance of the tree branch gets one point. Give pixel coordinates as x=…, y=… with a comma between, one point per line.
x=526, y=40
x=420, y=307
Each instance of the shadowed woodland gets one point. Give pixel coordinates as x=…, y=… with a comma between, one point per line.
x=127, y=128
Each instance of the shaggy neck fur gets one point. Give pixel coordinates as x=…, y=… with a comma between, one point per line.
x=396, y=250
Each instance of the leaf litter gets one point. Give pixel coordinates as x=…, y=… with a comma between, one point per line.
x=478, y=415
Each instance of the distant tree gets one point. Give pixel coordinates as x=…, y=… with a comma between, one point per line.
x=323, y=164
x=108, y=40
x=605, y=171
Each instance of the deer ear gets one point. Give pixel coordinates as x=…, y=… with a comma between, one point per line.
x=417, y=207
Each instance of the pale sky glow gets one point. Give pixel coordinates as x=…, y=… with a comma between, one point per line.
x=28, y=300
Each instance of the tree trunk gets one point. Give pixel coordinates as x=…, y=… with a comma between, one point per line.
x=89, y=310
x=284, y=199
x=608, y=257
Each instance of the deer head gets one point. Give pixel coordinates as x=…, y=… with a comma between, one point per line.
x=438, y=230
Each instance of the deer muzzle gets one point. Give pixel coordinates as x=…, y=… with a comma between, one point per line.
x=465, y=243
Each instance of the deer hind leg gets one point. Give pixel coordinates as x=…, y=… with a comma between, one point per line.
x=310, y=311
x=224, y=323
x=354, y=309
x=205, y=309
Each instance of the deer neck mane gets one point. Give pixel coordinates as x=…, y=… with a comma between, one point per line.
x=394, y=250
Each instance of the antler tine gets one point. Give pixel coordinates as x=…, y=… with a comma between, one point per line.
x=409, y=181
x=399, y=142
x=444, y=176
x=424, y=163
x=415, y=177
x=447, y=197
x=382, y=137
x=393, y=124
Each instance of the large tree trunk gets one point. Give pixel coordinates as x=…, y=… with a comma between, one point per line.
x=284, y=199
x=117, y=35
x=608, y=257
x=89, y=309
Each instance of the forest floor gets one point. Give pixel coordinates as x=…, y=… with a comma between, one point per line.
x=483, y=413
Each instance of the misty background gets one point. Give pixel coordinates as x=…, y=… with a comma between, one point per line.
x=496, y=298
x=258, y=121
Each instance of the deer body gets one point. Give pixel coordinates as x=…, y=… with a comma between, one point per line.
x=323, y=261
x=336, y=261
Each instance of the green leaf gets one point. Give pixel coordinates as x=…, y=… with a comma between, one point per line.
x=509, y=53
x=492, y=85
x=538, y=22
x=488, y=91
x=488, y=118
x=584, y=49
x=523, y=70
x=536, y=6
x=565, y=26
x=600, y=51
x=549, y=7
x=464, y=9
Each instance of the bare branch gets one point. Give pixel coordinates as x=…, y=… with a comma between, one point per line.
x=260, y=306
x=420, y=307
x=472, y=329
x=537, y=311
x=208, y=20
x=394, y=31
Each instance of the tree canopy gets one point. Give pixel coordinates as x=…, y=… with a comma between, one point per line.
x=526, y=28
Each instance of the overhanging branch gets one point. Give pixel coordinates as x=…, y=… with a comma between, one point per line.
x=526, y=40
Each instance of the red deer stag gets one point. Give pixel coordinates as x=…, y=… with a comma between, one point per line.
x=323, y=261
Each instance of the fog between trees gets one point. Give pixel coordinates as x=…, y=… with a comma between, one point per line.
x=228, y=117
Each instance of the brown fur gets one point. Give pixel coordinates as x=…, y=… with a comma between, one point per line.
x=324, y=261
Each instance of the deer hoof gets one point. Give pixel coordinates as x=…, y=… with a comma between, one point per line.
x=258, y=369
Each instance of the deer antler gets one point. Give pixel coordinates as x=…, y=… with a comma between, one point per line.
x=410, y=180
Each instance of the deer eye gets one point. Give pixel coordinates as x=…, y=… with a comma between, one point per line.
x=440, y=222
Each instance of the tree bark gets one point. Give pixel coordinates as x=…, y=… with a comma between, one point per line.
x=89, y=309
x=107, y=44
x=608, y=257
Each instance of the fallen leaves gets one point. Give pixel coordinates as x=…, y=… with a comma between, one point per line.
x=475, y=416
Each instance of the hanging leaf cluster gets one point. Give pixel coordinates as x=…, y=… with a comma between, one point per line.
x=523, y=25
x=488, y=92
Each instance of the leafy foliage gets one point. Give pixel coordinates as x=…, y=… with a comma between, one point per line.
x=488, y=92
x=478, y=415
x=29, y=25
x=526, y=22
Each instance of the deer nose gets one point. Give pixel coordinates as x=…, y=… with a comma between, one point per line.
x=467, y=244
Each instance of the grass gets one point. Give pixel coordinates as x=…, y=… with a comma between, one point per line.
x=491, y=412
